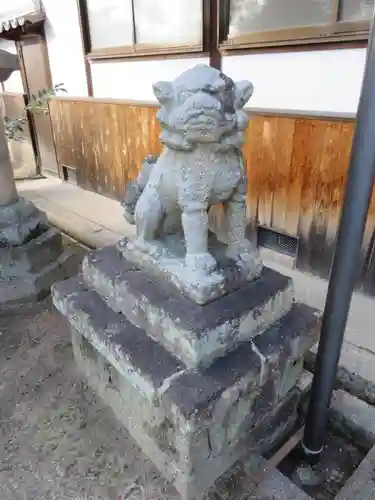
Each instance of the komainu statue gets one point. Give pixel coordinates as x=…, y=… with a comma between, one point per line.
x=203, y=124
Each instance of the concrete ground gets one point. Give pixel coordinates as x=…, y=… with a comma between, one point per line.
x=97, y=221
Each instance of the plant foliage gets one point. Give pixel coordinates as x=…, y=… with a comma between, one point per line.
x=38, y=103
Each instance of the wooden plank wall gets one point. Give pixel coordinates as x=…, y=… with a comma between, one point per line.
x=296, y=169
x=21, y=152
x=104, y=141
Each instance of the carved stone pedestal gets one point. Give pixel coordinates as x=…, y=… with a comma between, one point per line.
x=32, y=256
x=196, y=386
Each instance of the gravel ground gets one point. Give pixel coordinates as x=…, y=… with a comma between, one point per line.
x=57, y=439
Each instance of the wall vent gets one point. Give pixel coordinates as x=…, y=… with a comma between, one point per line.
x=283, y=243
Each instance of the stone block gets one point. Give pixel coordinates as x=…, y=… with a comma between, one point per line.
x=194, y=424
x=32, y=256
x=167, y=260
x=182, y=456
x=361, y=484
x=28, y=271
x=19, y=222
x=353, y=417
x=194, y=334
x=276, y=486
x=136, y=356
x=238, y=484
x=356, y=371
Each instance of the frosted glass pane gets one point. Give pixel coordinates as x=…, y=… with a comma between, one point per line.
x=111, y=23
x=168, y=22
x=247, y=16
x=356, y=10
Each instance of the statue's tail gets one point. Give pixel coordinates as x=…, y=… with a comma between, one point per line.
x=134, y=189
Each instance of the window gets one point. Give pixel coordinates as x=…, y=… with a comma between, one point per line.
x=356, y=10
x=164, y=22
x=121, y=27
x=110, y=23
x=275, y=22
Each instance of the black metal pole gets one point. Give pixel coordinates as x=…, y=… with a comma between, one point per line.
x=344, y=270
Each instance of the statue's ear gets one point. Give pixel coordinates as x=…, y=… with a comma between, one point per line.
x=244, y=90
x=163, y=91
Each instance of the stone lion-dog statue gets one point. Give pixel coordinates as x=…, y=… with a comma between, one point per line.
x=203, y=124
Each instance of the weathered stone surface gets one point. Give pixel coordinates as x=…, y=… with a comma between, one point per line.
x=194, y=334
x=31, y=257
x=167, y=260
x=141, y=360
x=8, y=63
x=203, y=125
x=238, y=484
x=361, y=484
x=8, y=192
x=276, y=486
x=187, y=420
x=183, y=454
x=28, y=271
x=264, y=359
x=356, y=371
x=18, y=221
x=353, y=417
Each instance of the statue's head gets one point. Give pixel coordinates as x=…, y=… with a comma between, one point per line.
x=202, y=105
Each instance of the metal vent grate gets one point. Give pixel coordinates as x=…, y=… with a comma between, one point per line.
x=268, y=238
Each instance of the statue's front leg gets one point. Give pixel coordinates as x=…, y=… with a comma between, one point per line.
x=195, y=225
x=239, y=247
x=148, y=215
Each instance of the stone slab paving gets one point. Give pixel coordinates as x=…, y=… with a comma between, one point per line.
x=362, y=484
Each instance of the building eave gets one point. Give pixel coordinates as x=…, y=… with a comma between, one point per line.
x=15, y=28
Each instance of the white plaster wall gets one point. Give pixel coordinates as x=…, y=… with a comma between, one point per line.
x=326, y=81
x=64, y=46
x=133, y=79
x=14, y=82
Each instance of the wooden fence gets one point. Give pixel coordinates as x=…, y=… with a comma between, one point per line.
x=296, y=167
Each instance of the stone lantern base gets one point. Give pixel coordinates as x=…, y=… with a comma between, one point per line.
x=198, y=387
x=32, y=255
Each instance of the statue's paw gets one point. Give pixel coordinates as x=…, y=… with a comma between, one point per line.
x=129, y=217
x=201, y=262
x=142, y=245
x=244, y=252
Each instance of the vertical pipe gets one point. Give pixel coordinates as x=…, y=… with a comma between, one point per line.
x=344, y=271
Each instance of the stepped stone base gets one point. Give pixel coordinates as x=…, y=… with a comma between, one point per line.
x=19, y=221
x=27, y=271
x=196, y=335
x=193, y=419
